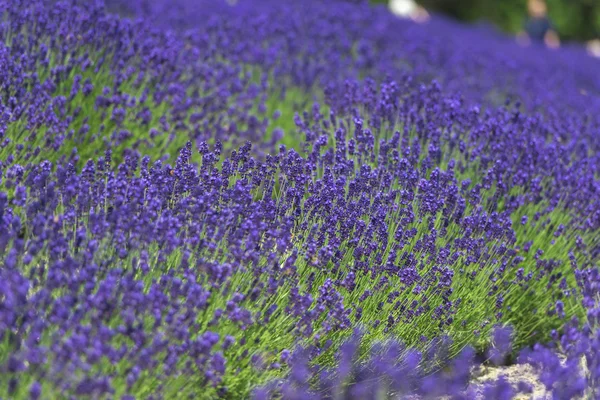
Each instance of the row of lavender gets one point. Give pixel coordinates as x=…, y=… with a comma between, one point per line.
x=416, y=210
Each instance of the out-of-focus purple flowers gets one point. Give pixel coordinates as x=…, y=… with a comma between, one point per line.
x=417, y=211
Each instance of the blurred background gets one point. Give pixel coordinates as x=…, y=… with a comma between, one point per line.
x=577, y=20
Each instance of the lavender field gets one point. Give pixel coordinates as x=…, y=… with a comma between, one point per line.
x=286, y=199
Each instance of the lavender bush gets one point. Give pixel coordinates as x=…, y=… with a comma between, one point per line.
x=284, y=200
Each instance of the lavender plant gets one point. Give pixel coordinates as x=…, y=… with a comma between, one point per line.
x=212, y=201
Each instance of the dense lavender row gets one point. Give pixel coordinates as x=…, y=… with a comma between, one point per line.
x=403, y=221
x=324, y=43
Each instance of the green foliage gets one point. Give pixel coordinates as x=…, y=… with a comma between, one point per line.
x=573, y=19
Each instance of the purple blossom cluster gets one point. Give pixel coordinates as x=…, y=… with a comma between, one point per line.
x=383, y=255
x=76, y=79
x=325, y=42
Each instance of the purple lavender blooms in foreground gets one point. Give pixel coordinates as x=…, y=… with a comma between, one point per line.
x=284, y=200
